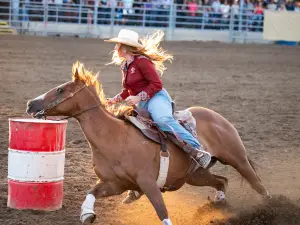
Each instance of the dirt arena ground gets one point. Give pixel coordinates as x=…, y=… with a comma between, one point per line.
x=256, y=87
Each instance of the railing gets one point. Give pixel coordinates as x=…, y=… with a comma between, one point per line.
x=140, y=14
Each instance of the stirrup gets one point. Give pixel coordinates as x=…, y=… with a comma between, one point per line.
x=203, y=157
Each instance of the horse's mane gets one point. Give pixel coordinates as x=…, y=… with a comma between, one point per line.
x=91, y=79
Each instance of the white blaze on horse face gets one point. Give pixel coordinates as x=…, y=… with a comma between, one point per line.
x=41, y=97
x=167, y=222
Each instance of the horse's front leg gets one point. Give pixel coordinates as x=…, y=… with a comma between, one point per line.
x=153, y=193
x=100, y=190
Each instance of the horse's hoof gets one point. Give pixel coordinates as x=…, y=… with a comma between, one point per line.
x=131, y=197
x=88, y=218
x=219, y=198
x=267, y=197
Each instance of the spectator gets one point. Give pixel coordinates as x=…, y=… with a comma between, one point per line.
x=235, y=8
x=165, y=6
x=138, y=11
x=259, y=10
x=290, y=6
x=128, y=6
x=148, y=4
x=249, y=6
x=282, y=7
x=258, y=16
x=104, y=12
x=58, y=2
x=225, y=10
x=69, y=14
x=155, y=12
x=206, y=13
x=272, y=6
x=216, y=6
x=193, y=7
x=297, y=7
x=112, y=3
x=148, y=8
x=119, y=13
x=248, y=12
x=23, y=12
x=59, y=10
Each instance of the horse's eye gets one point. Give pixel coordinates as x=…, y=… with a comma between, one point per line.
x=60, y=90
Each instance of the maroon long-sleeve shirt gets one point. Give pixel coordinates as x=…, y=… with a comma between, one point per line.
x=139, y=78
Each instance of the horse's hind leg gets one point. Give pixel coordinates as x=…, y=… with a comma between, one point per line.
x=203, y=177
x=246, y=170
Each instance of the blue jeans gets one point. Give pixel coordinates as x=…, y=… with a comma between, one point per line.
x=160, y=109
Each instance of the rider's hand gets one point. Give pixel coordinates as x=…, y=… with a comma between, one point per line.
x=111, y=101
x=132, y=100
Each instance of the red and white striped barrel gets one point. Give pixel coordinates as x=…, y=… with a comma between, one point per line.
x=36, y=162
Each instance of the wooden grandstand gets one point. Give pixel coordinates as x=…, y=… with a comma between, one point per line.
x=6, y=29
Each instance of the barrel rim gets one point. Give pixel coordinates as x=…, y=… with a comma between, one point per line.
x=31, y=181
x=33, y=120
x=41, y=152
x=15, y=182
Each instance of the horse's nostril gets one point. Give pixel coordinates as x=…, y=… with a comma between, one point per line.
x=29, y=104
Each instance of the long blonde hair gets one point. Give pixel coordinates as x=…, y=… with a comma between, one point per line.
x=150, y=50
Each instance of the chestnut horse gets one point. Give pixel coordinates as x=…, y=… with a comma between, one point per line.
x=124, y=159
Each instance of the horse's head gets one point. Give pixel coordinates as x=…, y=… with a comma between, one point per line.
x=68, y=98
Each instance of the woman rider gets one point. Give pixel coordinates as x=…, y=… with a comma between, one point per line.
x=140, y=61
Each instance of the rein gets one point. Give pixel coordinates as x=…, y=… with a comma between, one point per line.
x=61, y=100
x=80, y=112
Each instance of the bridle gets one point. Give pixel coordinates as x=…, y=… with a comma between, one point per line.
x=55, y=103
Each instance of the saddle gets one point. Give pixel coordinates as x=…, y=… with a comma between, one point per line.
x=142, y=120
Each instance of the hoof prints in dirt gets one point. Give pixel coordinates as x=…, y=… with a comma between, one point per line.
x=277, y=211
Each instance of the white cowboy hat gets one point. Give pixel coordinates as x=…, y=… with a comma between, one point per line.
x=127, y=37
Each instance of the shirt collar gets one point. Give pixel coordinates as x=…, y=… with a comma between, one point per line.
x=126, y=64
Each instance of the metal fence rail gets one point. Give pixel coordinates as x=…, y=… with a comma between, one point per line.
x=141, y=14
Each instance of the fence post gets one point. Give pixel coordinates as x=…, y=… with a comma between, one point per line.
x=112, y=20
x=231, y=27
x=246, y=28
x=15, y=11
x=241, y=15
x=45, y=17
x=112, y=15
x=144, y=17
x=23, y=18
x=96, y=3
x=9, y=17
x=80, y=11
x=203, y=17
x=171, y=21
x=56, y=18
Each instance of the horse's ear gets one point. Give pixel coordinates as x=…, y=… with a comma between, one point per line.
x=76, y=75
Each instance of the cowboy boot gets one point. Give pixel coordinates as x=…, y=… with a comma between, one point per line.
x=202, y=157
x=131, y=197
